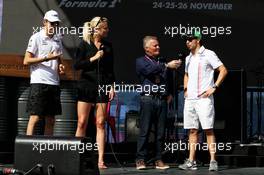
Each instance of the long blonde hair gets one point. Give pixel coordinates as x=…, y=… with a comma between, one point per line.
x=90, y=27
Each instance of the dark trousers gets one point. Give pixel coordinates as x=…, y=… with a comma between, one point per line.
x=153, y=110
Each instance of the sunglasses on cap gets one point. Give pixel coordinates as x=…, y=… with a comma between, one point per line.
x=101, y=19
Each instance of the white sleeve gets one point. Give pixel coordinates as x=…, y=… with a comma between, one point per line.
x=32, y=45
x=187, y=62
x=61, y=47
x=214, y=60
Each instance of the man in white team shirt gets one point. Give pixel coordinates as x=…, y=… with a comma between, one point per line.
x=199, y=87
x=44, y=54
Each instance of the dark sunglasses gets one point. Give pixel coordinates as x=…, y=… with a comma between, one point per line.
x=54, y=23
x=190, y=39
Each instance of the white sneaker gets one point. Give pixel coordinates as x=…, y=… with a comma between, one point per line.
x=188, y=165
x=213, y=166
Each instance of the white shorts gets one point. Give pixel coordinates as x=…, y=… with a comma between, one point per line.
x=199, y=110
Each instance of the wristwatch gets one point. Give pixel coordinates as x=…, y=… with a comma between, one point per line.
x=215, y=86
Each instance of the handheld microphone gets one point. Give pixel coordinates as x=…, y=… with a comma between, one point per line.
x=182, y=55
x=10, y=171
x=102, y=47
x=105, y=48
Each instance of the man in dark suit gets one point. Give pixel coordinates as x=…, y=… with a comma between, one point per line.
x=152, y=72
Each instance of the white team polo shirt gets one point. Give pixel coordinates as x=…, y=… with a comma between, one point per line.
x=41, y=45
x=200, y=69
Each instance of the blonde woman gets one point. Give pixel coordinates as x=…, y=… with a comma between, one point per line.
x=94, y=57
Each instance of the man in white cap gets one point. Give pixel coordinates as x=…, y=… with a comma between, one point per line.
x=43, y=55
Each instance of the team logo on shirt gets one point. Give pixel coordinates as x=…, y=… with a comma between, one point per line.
x=30, y=43
x=44, y=43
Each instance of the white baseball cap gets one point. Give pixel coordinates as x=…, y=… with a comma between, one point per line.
x=52, y=16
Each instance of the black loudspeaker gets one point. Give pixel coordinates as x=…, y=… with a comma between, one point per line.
x=132, y=127
x=55, y=155
x=230, y=108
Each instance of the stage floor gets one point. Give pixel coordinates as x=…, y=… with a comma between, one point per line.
x=174, y=170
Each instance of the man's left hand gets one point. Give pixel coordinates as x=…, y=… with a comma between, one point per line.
x=61, y=69
x=208, y=93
